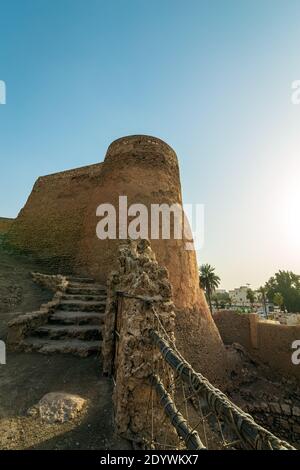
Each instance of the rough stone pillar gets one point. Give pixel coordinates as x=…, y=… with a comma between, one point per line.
x=127, y=349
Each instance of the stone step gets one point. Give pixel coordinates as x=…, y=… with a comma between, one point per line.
x=86, y=290
x=82, y=332
x=80, y=285
x=82, y=306
x=85, y=297
x=76, y=318
x=71, y=346
x=81, y=280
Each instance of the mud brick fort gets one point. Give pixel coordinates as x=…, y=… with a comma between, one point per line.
x=57, y=226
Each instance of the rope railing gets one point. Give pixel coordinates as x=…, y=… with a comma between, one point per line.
x=250, y=434
x=190, y=436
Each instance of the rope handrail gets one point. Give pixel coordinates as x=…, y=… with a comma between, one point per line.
x=190, y=436
x=251, y=434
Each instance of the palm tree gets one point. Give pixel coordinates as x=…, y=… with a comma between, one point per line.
x=209, y=281
x=250, y=297
x=263, y=293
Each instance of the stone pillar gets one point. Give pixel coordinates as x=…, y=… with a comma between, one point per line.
x=128, y=351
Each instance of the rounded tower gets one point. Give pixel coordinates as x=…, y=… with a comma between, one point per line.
x=145, y=170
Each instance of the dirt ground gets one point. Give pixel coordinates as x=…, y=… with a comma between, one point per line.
x=18, y=292
x=25, y=378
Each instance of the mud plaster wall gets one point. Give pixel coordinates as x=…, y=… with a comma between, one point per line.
x=145, y=169
x=273, y=342
x=282, y=418
x=50, y=224
x=5, y=224
x=233, y=327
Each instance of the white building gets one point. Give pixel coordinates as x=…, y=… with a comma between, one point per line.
x=238, y=296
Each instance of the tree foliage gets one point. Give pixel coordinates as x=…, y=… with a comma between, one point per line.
x=221, y=299
x=287, y=284
x=209, y=281
x=250, y=296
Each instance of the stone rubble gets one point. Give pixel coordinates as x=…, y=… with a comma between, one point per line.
x=58, y=407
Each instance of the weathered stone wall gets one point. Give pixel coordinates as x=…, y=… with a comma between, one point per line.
x=5, y=224
x=234, y=327
x=24, y=324
x=145, y=169
x=127, y=348
x=53, y=283
x=270, y=343
x=50, y=224
x=281, y=417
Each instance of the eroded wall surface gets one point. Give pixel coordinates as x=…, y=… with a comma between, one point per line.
x=5, y=224
x=51, y=223
x=272, y=343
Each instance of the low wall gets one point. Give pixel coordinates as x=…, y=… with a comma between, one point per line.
x=270, y=343
x=233, y=328
x=24, y=324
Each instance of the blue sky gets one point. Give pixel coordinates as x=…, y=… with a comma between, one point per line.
x=212, y=78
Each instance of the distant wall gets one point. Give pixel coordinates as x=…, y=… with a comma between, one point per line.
x=5, y=224
x=268, y=342
x=50, y=224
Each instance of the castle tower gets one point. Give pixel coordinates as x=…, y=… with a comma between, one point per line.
x=58, y=226
x=145, y=169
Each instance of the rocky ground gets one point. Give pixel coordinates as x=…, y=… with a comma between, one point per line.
x=273, y=400
x=18, y=292
x=26, y=378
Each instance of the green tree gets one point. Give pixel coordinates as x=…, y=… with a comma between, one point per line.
x=287, y=284
x=209, y=281
x=278, y=300
x=263, y=297
x=221, y=299
x=250, y=297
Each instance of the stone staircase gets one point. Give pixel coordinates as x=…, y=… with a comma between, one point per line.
x=76, y=324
